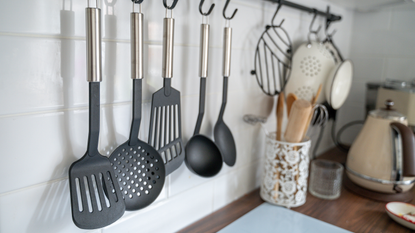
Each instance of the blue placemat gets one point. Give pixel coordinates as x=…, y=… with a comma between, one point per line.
x=268, y=218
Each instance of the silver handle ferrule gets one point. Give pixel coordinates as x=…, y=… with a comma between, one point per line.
x=137, y=71
x=204, y=50
x=168, y=45
x=227, y=47
x=93, y=44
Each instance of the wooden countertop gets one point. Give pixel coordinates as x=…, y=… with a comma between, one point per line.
x=350, y=211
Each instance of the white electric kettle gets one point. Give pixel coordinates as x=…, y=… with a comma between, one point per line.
x=382, y=158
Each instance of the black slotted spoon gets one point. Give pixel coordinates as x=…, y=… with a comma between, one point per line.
x=95, y=197
x=165, y=121
x=138, y=167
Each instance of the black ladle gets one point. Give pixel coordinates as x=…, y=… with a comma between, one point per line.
x=223, y=135
x=203, y=157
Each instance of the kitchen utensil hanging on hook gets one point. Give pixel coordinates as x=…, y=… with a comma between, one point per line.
x=223, y=136
x=311, y=65
x=339, y=81
x=96, y=200
x=165, y=133
x=138, y=167
x=273, y=58
x=202, y=156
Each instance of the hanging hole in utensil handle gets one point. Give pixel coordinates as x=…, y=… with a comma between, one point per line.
x=172, y=6
x=227, y=48
x=205, y=14
x=137, y=71
x=93, y=44
x=168, y=46
x=204, y=50
x=139, y=4
x=70, y=5
x=96, y=3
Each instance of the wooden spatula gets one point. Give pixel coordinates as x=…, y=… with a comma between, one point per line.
x=291, y=97
x=297, y=121
x=280, y=115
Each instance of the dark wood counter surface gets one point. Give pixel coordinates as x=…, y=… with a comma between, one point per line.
x=350, y=211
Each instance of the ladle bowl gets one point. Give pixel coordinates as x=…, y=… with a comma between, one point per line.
x=203, y=157
x=226, y=143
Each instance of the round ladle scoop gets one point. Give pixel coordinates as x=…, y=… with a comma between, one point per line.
x=223, y=136
x=203, y=157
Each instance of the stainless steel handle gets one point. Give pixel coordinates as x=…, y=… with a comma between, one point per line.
x=137, y=46
x=204, y=50
x=93, y=44
x=227, y=47
x=168, y=46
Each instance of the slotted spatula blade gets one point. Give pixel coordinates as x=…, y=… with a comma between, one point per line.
x=96, y=200
x=165, y=127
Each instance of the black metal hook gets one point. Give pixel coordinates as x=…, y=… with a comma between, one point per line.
x=210, y=10
x=275, y=14
x=312, y=23
x=224, y=11
x=137, y=1
x=328, y=23
x=173, y=5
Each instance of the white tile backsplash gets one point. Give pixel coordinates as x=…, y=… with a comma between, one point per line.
x=44, y=103
x=381, y=48
x=44, y=208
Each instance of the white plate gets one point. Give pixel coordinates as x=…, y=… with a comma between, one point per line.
x=400, y=212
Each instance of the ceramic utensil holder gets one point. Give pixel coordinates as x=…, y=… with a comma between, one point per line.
x=285, y=172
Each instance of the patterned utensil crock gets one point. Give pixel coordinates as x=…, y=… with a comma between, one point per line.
x=285, y=172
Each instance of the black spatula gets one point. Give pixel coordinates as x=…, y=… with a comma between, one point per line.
x=95, y=195
x=165, y=122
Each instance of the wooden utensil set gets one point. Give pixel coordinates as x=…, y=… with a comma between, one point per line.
x=300, y=113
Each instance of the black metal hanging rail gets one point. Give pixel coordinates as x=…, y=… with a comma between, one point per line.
x=330, y=17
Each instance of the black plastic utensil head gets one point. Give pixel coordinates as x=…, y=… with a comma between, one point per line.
x=165, y=126
x=222, y=134
x=226, y=143
x=96, y=200
x=203, y=157
x=140, y=172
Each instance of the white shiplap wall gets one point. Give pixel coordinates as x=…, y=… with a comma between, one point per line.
x=44, y=108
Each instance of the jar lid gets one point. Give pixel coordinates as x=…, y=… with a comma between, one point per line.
x=388, y=112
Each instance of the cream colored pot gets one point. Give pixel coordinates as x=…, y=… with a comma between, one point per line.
x=382, y=156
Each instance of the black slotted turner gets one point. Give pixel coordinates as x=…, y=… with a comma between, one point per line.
x=138, y=167
x=95, y=197
x=165, y=121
